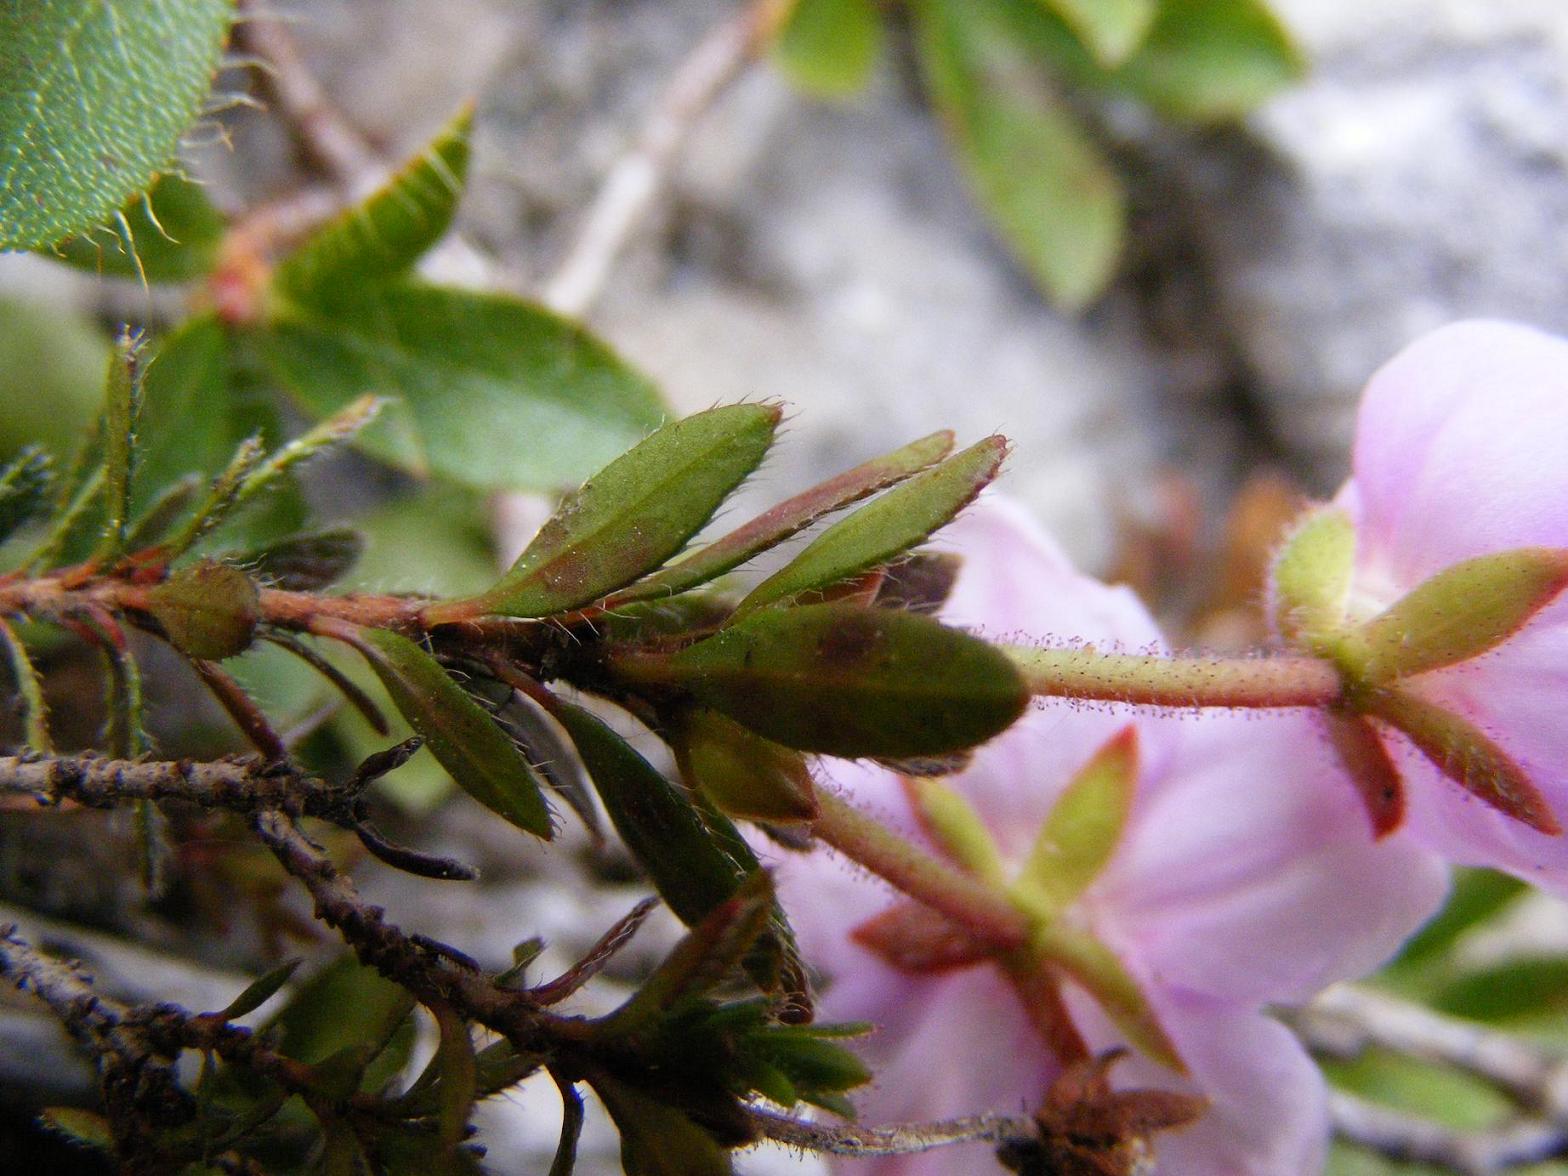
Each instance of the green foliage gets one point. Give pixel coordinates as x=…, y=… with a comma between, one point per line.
x=170, y=233
x=94, y=95
x=995, y=70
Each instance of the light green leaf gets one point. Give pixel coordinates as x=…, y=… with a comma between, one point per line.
x=1110, y=29
x=24, y=490
x=51, y=376
x=843, y=680
x=170, y=233
x=829, y=47
x=1115, y=989
x=1311, y=575
x=121, y=415
x=458, y=732
x=385, y=235
x=958, y=828
x=635, y=513
x=778, y=523
x=488, y=390
x=94, y=95
x=1044, y=185
x=903, y=517
x=1208, y=60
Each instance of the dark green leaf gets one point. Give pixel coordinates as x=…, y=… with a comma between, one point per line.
x=1043, y=183
x=903, y=517
x=24, y=490
x=94, y=96
x=1109, y=29
x=829, y=47
x=260, y=991
x=693, y=871
x=459, y=1084
x=847, y=681
x=167, y=234
x=777, y=524
x=121, y=414
x=635, y=513
x=344, y=1005
x=459, y=733
x=489, y=390
x=305, y=563
x=657, y=1139
x=1516, y=989
x=386, y=234
x=209, y=610
x=741, y=773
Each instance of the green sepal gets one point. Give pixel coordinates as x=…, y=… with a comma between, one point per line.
x=1460, y=613
x=464, y=739
x=828, y=47
x=954, y=823
x=209, y=610
x=845, y=680
x=636, y=513
x=1096, y=968
x=1312, y=574
x=902, y=518
x=1465, y=754
x=778, y=523
x=743, y=774
x=1083, y=829
x=383, y=236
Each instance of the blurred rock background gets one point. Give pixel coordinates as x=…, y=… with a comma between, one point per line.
x=827, y=255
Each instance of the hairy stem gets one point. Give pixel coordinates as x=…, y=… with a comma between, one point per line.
x=1155, y=680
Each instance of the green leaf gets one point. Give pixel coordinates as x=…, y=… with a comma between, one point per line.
x=29, y=690
x=1208, y=60
x=1110, y=29
x=1460, y=613
x=829, y=47
x=903, y=517
x=24, y=490
x=169, y=233
x=744, y=775
x=305, y=563
x=635, y=513
x=383, y=236
x=490, y=391
x=458, y=732
x=1045, y=186
x=843, y=680
x=51, y=376
x=1312, y=574
x=1514, y=990
x=657, y=1139
x=94, y=96
x=1097, y=968
x=259, y=991
x=1083, y=829
x=459, y=1076
x=958, y=829
x=693, y=871
x=777, y=524
x=84, y=1128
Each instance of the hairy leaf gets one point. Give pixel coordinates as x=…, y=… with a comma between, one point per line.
x=306, y=563
x=121, y=415
x=844, y=680
x=169, y=233
x=488, y=390
x=383, y=236
x=636, y=512
x=777, y=524
x=24, y=490
x=463, y=738
x=94, y=95
x=829, y=47
x=1043, y=183
x=903, y=517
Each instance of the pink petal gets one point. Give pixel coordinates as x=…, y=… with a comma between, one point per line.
x=1250, y=873
x=1459, y=450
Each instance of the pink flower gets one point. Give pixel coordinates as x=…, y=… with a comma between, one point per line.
x=1461, y=452
x=1235, y=880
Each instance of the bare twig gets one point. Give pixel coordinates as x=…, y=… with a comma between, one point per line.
x=638, y=176
x=1402, y=1136
x=895, y=1140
